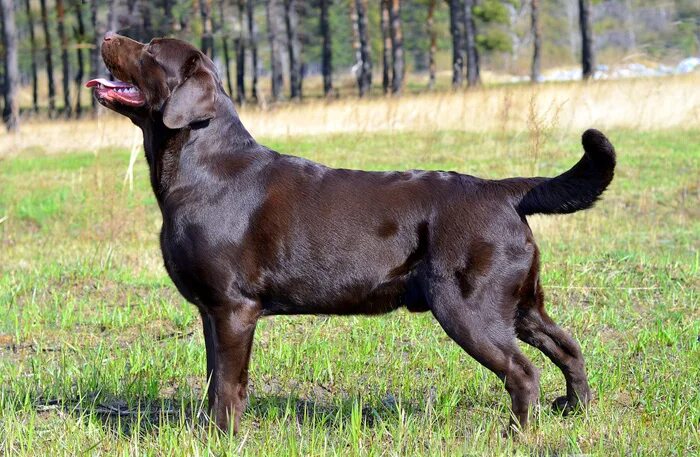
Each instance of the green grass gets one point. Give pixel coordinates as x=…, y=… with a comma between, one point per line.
x=99, y=354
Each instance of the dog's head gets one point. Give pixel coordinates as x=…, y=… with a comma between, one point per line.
x=166, y=77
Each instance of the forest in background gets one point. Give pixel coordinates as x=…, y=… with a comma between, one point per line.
x=267, y=49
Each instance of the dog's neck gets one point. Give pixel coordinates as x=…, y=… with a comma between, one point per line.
x=165, y=148
x=162, y=147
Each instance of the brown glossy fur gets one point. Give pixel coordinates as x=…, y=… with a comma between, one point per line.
x=249, y=232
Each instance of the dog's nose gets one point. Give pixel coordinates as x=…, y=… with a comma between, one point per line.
x=109, y=36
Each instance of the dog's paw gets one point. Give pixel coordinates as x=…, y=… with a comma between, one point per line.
x=564, y=406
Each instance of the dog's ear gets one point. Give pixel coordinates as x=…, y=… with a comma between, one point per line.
x=194, y=99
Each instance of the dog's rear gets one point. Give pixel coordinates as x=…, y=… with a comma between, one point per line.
x=575, y=190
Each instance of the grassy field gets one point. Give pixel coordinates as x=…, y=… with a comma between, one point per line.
x=99, y=353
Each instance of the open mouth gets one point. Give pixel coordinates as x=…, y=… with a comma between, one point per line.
x=117, y=91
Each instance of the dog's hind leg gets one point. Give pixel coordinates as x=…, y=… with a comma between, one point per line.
x=536, y=328
x=487, y=334
x=210, y=346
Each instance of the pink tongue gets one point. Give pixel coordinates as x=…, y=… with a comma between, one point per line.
x=106, y=82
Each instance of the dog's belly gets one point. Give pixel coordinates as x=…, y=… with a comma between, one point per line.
x=374, y=276
x=358, y=298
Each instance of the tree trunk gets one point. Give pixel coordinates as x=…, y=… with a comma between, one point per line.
x=433, y=44
x=240, y=55
x=147, y=22
x=456, y=26
x=473, y=77
x=293, y=48
x=397, y=56
x=224, y=47
x=146, y=12
x=587, y=56
x=184, y=22
x=631, y=40
x=275, y=27
x=65, y=63
x=96, y=65
x=168, y=18
x=111, y=17
x=385, y=16
x=10, y=113
x=207, y=37
x=32, y=46
x=49, y=58
x=326, y=50
x=357, y=68
x=80, y=40
x=132, y=25
x=364, y=64
x=253, y=45
x=535, y=74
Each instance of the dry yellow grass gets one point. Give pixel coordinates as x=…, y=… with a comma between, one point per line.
x=643, y=104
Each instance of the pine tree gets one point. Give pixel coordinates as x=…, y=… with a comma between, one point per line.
x=65, y=63
x=49, y=58
x=291, y=8
x=224, y=47
x=587, y=56
x=456, y=28
x=363, y=47
x=473, y=72
x=275, y=28
x=240, y=55
x=253, y=45
x=433, y=44
x=10, y=112
x=385, y=15
x=536, y=41
x=80, y=40
x=326, y=50
x=397, y=55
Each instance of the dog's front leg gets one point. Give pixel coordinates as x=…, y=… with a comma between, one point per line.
x=228, y=333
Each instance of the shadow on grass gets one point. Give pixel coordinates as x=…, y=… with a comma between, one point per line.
x=333, y=415
x=132, y=417
x=148, y=417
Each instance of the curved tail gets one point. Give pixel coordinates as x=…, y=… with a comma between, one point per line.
x=574, y=190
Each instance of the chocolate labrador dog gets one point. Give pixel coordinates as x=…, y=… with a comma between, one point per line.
x=249, y=232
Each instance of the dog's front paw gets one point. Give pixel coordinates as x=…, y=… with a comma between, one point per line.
x=563, y=406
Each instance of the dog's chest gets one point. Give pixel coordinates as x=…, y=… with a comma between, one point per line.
x=200, y=251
